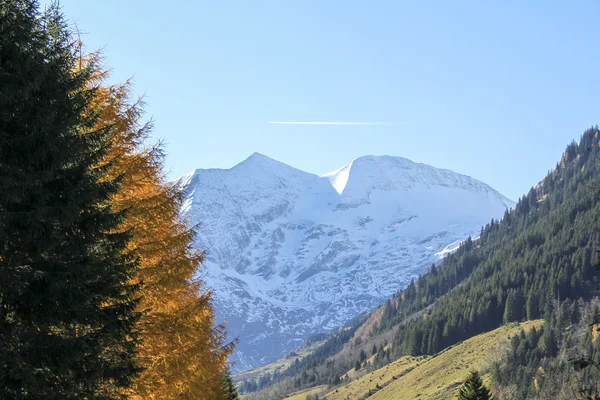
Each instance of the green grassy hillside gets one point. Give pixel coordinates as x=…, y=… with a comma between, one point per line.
x=427, y=378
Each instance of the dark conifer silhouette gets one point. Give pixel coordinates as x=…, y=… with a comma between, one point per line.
x=67, y=312
x=473, y=388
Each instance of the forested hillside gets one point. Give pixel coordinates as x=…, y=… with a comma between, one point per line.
x=540, y=253
x=555, y=361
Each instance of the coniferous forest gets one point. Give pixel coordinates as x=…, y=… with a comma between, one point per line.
x=100, y=295
x=98, y=298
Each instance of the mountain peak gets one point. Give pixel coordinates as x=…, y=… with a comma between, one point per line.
x=383, y=158
x=257, y=155
x=288, y=256
x=259, y=167
x=339, y=177
x=258, y=158
x=390, y=172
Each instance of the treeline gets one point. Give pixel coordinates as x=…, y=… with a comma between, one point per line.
x=98, y=298
x=541, y=364
x=542, y=251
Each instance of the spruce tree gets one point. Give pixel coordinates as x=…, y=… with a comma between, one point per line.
x=512, y=310
x=229, y=390
x=473, y=388
x=67, y=312
x=532, y=306
x=362, y=356
x=434, y=340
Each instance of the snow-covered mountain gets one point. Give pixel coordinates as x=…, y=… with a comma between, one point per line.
x=292, y=253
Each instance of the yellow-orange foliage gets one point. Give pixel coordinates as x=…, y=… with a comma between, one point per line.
x=595, y=332
x=183, y=353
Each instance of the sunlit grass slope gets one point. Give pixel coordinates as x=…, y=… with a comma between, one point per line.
x=301, y=395
x=432, y=378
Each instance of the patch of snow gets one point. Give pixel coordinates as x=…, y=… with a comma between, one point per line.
x=291, y=253
x=339, y=177
x=451, y=248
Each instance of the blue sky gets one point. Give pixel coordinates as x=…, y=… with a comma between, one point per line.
x=491, y=89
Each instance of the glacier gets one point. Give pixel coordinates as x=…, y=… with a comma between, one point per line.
x=291, y=253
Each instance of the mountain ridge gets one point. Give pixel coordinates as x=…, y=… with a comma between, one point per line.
x=537, y=261
x=287, y=250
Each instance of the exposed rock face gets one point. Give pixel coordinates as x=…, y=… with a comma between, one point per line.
x=292, y=253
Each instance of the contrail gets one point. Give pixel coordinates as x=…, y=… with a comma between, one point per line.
x=328, y=123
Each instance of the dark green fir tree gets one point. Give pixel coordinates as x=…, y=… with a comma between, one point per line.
x=230, y=391
x=362, y=356
x=473, y=388
x=532, y=307
x=67, y=319
x=512, y=310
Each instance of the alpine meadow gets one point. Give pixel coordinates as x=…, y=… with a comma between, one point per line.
x=312, y=201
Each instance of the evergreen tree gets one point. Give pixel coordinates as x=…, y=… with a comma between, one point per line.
x=357, y=365
x=512, y=309
x=67, y=307
x=362, y=356
x=336, y=380
x=434, y=340
x=574, y=312
x=473, y=388
x=387, y=310
x=532, y=306
x=229, y=390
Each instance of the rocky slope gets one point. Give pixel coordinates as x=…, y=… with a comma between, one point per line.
x=292, y=253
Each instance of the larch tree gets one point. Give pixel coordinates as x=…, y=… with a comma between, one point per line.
x=183, y=354
x=68, y=308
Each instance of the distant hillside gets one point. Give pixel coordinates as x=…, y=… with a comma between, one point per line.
x=541, y=251
x=434, y=377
